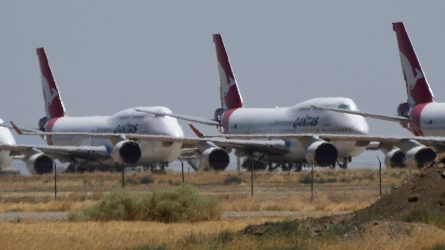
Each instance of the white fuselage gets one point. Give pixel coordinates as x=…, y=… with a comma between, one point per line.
x=5, y=138
x=127, y=121
x=301, y=118
x=428, y=119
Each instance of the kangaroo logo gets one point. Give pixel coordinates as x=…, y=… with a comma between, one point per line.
x=227, y=82
x=231, y=84
x=48, y=93
x=408, y=71
x=412, y=75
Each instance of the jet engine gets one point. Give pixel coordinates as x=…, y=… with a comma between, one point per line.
x=419, y=156
x=40, y=163
x=126, y=152
x=214, y=158
x=395, y=158
x=322, y=153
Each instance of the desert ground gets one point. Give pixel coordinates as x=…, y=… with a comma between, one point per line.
x=344, y=211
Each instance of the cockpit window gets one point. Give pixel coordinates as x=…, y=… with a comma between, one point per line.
x=344, y=106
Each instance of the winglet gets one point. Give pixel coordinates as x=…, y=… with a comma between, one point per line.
x=17, y=129
x=196, y=131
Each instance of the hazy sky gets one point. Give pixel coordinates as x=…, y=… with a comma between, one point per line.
x=110, y=55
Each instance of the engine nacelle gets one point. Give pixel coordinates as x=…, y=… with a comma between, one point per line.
x=322, y=153
x=126, y=152
x=40, y=163
x=395, y=158
x=214, y=158
x=419, y=156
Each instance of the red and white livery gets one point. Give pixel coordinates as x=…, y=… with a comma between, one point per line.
x=420, y=114
x=233, y=118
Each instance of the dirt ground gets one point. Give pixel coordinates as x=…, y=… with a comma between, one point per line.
x=425, y=189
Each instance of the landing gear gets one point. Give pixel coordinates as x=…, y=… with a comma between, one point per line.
x=161, y=170
x=298, y=167
x=72, y=168
x=257, y=164
x=344, y=163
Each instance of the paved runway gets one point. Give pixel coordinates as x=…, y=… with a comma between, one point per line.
x=61, y=215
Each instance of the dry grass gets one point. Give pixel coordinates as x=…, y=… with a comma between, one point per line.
x=109, y=235
x=421, y=238
x=335, y=191
x=424, y=238
x=45, y=206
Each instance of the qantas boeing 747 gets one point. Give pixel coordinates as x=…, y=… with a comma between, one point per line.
x=234, y=118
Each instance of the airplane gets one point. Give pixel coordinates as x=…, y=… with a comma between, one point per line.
x=300, y=133
x=35, y=156
x=110, y=150
x=133, y=138
x=126, y=138
x=234, y=118
x=6, y=138
x=421, y=114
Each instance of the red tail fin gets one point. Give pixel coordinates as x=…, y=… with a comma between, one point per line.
x=417, y=87
x=196, y=131
x=53, y=103
x=230, y=95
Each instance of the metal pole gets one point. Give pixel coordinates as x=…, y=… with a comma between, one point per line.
x=380, y=176
x=312, y=182
x=182, y=170
x=55, y=181
x=123, y=176
x=251, y=176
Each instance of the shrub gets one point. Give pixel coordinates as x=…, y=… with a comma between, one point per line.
x=146, y=180
x=230, y=180
x=115, y=206
x=427, y=215
x=176, y=205
x=182, y=204
x=284, y=228
x=338, y=230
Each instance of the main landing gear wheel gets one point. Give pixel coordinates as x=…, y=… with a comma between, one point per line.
x=344, y=163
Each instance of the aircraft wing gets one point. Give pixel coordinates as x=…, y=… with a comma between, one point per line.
x=435, y=141
x=263, y=142
x=266, y=146
x=392, y=118
x=183, y=117
x=61, y=152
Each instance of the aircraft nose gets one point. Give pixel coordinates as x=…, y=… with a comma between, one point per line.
x=361, y=127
